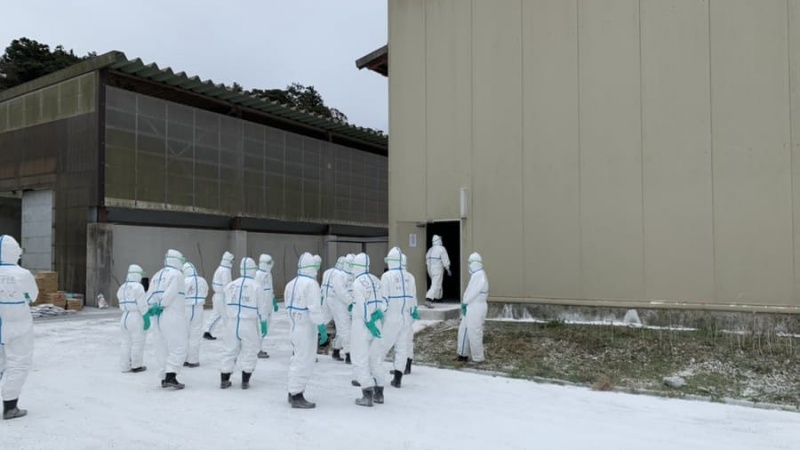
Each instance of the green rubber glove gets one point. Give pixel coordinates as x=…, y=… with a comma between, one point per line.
x=263, y=328
x=373, y=329
x=323, y=334
x=275, y=304
x=377, y=315
x=350, y=307
x=414, y=314
x=155, y=310
x=146, y=318
x=463, y=309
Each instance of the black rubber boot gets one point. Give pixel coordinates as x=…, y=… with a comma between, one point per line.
x=262, y=354
x=408, y=366
x=224, y=380
x=366, y=399
x=171, y=382
x=10, y=410
x=461, y=359
x=355, y=383
x=139, y=369
x=398, y=377
x=298, y=401
x=347, y=358
x=246, y=379
x=192, y=365
x=378, y=394
x=336, y=355
x=208, y=336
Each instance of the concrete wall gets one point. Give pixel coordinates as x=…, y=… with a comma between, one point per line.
x=37, y=230
x=624, y=152
x=112, y=248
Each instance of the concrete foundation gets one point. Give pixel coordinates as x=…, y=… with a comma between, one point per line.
x=759, y=322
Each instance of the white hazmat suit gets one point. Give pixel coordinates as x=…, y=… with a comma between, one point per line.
x=245, y=324
x=196, y=289
x=437, y=261
x=302, y=300
x=167, y=308
x=408, y=333
x=17, y=291
x=222, y=276
x=133, y=303
x=264, y=278
x=365, y=346
x=399, y=293
x=338, y=298
x=470, y=332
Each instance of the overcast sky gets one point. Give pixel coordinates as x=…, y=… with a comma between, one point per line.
x=257, y=43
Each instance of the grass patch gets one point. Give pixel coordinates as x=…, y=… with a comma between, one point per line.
x=755, y=366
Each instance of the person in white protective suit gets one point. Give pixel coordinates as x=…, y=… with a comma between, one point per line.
x=400, y=293
x=167, y=310
x=222, y=276
x=365, y=340
x=17, y=291
x=326, y=294
x=438, y=262
x=196, y=289
x=473, y=312
x=302, y=300
x=134, y=321
x=264, y=278
x=246, y=323
x=408, y=332
x=338, y=298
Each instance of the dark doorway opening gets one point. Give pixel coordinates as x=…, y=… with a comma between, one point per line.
x=450, y=232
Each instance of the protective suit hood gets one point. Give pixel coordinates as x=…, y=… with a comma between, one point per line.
x=403, y=261
x=135, y=273
x=394, y=258
x=265, y=262
x=361, y=264
x=10, y=251
x=227, y=260
x=248, y=267
x=475, y=262
x=189, y=270
x=308, y=265
x=174, y=259
x=348, y=263
x=437, y=240
x=340, y=263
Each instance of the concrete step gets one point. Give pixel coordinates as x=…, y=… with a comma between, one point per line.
x=440, y=311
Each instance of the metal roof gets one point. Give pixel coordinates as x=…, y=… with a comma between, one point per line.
x=117, y=61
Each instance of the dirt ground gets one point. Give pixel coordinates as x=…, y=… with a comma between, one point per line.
x=758, y=367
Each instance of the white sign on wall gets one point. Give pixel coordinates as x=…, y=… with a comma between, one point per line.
x=412, y=240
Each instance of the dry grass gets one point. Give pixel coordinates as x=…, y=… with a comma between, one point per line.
x=758, y=366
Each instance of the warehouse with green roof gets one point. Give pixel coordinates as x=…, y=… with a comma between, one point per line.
x=112, y=161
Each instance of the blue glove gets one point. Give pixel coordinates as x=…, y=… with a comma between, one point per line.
x=350, y=307
x=373, y=329
x=463, y=309
x=414, y=314
x=146, y=318
x=449, y=274
x=274, y=304
x=323, y=334
x=263, y=328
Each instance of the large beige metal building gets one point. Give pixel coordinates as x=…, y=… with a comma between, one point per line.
x=618, y=152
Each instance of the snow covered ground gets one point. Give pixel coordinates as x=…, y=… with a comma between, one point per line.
x=77, y=399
